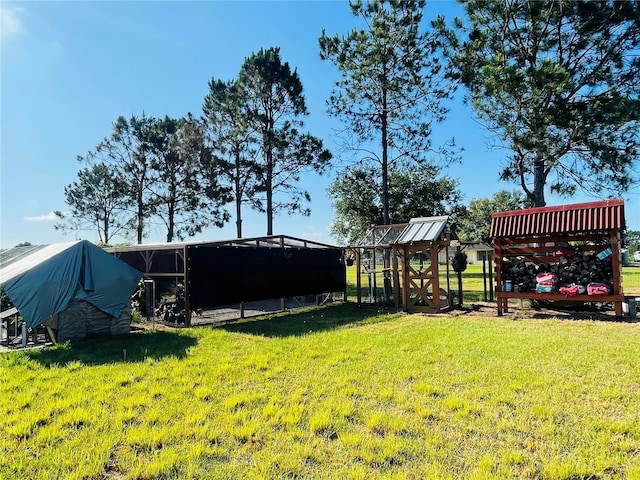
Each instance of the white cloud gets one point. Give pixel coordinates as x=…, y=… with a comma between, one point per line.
x=49, y=217
x=10, y=22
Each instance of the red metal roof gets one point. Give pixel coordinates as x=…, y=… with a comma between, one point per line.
x=600, y=216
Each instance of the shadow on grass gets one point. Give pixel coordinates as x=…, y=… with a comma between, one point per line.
x=311, y=321
x=135, y=347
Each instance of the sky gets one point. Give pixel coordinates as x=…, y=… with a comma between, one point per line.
x=69, y=69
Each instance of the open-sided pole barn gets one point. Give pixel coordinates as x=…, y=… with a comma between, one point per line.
x=237, y=271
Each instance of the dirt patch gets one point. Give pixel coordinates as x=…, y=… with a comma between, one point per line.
x=528, y=309
x=231, y=313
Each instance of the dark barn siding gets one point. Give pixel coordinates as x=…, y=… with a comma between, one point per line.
x=223, y=275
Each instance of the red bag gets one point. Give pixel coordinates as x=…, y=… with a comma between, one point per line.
x=569, y=290
x=597, y=289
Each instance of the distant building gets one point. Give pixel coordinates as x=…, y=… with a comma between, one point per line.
x=474, y=252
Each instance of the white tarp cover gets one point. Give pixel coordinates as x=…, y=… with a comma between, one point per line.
x=45, y=282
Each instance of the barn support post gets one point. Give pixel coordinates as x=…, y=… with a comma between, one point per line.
x=616, y=260
x=435, y=280
x=406, y=291
x=490, y=279
x=283, y=301
x=484, y=277
x=148, y=260
x=373, y=294
x=386, y=274
x=396, y=278
x=459, y=276
x=187, y=303
x=497, y=258
x=446, y=254
x=358, y=276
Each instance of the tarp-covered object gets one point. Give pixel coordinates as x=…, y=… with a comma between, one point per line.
x=44, y=283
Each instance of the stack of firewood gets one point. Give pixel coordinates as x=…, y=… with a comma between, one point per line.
x=582, y=269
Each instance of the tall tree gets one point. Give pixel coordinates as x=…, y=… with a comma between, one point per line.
x=128, y=150
x=186, y=199
x=273, y=105
x=559, y=82
x=475, y=223
x=357, y=202
x=232, y=141
x=391, y=87
x=97, y=201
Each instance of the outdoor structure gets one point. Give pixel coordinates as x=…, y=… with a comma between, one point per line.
x=476, y=252
x=401, y=264
x=75, y=289
x=198, y=276
x=563, y=253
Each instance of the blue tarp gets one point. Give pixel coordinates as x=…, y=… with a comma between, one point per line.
x=45, y=282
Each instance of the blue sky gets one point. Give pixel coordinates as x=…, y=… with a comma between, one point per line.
x=69, y=69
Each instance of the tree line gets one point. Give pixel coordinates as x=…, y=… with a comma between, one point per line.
x=248, y=146
x=556, y=83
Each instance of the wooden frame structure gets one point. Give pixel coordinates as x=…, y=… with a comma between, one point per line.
x=536, y=234
x=413, y=288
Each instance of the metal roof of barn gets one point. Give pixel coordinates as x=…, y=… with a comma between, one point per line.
x=279, y=241
x=423, y=230
x=599, y=216
x=30, y=259
x=14, y=254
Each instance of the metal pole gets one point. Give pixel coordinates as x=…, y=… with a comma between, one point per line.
x=490, y=279
x=186, y=292
x=484, y=275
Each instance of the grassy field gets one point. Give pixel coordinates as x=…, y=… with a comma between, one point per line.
x=631, y=279
x=332, y=393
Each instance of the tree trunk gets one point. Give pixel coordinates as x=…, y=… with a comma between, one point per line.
x=269, y=180
x=386, y=218
x=385, y=163
x=106, y=229
x=269, y=185
x=238, y=198
x=539, y=179
x=170, y=221
x=140, y=214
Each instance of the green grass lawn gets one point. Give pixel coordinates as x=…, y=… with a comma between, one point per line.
x=336, y=392
x=631, y=279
